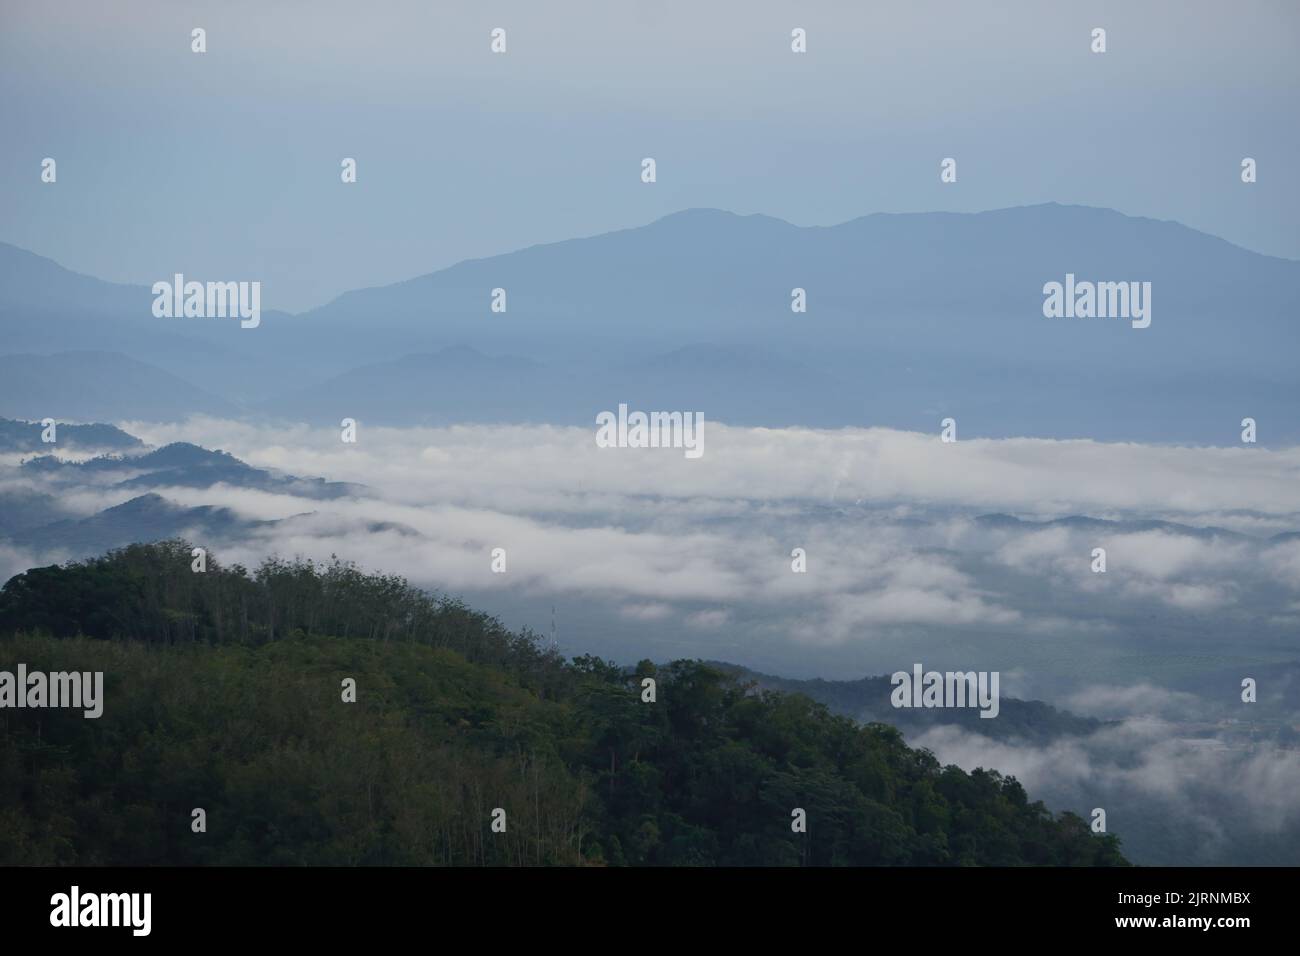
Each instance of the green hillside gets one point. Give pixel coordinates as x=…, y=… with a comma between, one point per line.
x=222, y=690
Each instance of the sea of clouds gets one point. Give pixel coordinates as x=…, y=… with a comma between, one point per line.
x=645, y=553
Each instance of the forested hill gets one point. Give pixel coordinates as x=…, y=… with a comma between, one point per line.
x=222, y=691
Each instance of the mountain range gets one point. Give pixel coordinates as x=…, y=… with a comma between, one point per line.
x=867, y=700
x=910, y=318
x=37, y=517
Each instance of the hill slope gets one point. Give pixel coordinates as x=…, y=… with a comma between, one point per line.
x=99, y=386
x=222, y=692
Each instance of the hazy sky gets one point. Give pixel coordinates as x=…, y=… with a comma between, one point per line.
x=225, y=165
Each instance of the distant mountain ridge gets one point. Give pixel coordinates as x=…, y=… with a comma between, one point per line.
x=24, y=436
x=910, y=318
x=101, y=385
x=182, y=464
x=1125, y=526
x=148, y=518
x=40, y=521
x=867, y=700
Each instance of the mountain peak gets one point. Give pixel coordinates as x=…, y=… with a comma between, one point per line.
x=183, y=454
x=697, y=215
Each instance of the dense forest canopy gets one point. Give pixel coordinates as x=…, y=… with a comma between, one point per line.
x=222, y=692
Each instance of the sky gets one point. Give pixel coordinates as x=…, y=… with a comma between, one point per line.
x=226, y=164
